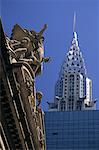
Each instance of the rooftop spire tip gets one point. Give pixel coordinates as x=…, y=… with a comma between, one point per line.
x=74, y=22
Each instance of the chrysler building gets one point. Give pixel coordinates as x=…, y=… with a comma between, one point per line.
x=73, y=89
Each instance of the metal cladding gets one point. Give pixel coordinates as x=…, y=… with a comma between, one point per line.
x=74, y=61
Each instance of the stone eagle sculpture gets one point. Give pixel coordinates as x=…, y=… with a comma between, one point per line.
x=27, y=45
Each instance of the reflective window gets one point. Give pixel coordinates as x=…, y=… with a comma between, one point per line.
x=72, y=130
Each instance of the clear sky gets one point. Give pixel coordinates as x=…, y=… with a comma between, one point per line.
x=58, y=14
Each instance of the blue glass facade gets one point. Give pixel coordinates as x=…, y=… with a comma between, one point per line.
x=72, y=130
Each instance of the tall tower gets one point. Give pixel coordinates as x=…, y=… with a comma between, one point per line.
x=66, y=128
x=71, y=87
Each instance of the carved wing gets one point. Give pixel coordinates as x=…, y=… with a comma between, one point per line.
x=18, y=33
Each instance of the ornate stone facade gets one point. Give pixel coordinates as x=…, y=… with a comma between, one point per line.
x=22, y=58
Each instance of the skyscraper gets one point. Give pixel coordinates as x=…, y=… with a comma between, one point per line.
x=72, y=123
x=73, y=90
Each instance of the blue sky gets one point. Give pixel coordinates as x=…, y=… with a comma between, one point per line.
x=58, y=14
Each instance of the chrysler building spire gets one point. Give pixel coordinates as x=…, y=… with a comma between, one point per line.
x=74, y=23
x=74, y=27
x=74, y=41
x=73, y=88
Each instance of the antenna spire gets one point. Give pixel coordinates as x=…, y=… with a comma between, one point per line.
x=74, y=22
